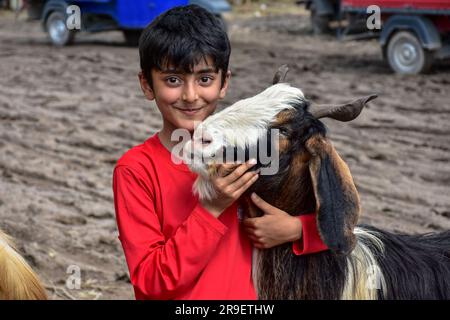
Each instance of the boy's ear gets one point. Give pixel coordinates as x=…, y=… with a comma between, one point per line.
x=223, y=90
x=146, y=89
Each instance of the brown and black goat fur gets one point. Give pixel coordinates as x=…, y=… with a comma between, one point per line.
x=362, y=262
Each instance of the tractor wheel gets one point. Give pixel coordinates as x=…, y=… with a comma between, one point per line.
x=57, y=30
x=406, y=55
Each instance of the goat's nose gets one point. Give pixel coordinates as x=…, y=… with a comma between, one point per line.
x=201, y=142
x=205, y=141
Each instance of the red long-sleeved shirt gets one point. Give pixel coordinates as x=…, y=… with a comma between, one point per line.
x=174, y=248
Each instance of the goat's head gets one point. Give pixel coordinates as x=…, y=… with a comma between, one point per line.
x=310, y=177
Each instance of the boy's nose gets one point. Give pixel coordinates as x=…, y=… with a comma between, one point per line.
x=189, y=93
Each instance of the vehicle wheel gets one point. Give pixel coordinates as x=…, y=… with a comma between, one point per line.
x=319, y=23
x=132, y=37
x=406, y=55
x=57, y=29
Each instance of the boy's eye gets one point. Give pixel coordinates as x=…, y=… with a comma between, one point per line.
x=173, y=80
x=206, y=80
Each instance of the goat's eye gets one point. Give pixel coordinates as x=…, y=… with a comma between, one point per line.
x=283, y=131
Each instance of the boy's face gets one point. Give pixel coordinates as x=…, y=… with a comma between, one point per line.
x=184, y=99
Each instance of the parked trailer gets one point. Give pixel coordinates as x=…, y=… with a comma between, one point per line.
x=413, y=33
x=129, y=16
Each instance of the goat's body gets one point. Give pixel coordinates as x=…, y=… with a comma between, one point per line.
x=382, y=266
x=362, y=262
x=415, y=266
x=17, y=279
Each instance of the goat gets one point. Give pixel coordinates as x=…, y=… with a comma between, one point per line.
x=17, y=279
x=362, y=262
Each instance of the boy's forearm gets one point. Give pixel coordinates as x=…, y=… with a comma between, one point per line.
x=294, y=233
x=310, y=241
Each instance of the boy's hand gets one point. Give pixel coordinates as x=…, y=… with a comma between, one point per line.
x=275, y=227
x=230, y=183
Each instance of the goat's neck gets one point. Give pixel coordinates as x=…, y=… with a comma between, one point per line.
x=290, y=190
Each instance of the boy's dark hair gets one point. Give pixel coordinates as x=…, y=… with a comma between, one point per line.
x=181, y=37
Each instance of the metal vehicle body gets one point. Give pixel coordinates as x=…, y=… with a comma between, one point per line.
x=413, y=32
x=129, y=16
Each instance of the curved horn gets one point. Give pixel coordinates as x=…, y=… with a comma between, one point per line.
x=280, y=75
x=343, y=112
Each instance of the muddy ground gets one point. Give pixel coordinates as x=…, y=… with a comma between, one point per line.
x=67, y=115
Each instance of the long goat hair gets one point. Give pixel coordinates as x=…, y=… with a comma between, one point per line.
x=362, y=262
x=17, y=280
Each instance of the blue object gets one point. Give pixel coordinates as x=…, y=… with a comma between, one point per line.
x=129, y=14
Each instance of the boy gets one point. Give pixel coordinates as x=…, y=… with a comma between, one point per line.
x=175, y=246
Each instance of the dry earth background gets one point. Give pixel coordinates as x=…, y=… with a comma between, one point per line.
x=67, y=115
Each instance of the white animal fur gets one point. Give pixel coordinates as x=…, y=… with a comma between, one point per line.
x=364, y=277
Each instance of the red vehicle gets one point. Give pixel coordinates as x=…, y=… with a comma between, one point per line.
x=413, y=32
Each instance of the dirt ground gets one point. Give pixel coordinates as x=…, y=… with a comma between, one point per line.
x=67, y=115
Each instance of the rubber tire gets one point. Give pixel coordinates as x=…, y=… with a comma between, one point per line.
x=319, y=23
x=63, y=39
x=424, y=58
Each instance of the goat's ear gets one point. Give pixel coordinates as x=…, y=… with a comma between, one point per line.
x=337, y=201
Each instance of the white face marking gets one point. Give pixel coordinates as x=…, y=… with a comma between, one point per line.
x=239, y=125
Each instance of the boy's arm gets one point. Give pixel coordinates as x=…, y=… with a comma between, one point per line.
x=277, y=227
x=160, y=268
x=310, y=240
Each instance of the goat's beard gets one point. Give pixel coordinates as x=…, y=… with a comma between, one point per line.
x=203, y=186
x=204, y=189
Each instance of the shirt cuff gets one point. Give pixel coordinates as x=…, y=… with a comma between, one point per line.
x=310, y=242
x=205, y=217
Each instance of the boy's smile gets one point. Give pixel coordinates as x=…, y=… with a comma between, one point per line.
x=190, y=111
x=185, y=99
